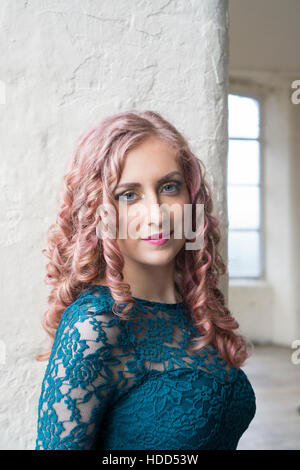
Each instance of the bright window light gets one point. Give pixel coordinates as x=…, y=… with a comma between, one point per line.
x=244, y=188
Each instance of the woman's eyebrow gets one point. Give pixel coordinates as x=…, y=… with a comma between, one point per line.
x=161, y=180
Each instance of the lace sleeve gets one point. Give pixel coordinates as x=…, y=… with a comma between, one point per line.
x=79, y=379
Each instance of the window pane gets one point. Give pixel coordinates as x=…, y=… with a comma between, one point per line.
x=243, y=162
x=243, y=254
x=243, y=117
x=243, y=207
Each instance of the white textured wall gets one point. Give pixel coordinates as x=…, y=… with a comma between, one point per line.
x=64, y=66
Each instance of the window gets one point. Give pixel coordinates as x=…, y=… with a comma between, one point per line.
x=244, y=188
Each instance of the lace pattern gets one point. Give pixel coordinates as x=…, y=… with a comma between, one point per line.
x=106, y=376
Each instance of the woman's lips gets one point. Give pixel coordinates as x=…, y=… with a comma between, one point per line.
x=160, y=241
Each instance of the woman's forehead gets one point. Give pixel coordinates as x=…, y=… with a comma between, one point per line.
x=151, y=159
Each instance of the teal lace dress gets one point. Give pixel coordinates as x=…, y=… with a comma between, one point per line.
x=133, y=384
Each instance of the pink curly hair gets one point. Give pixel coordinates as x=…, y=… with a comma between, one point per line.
x=78, y=258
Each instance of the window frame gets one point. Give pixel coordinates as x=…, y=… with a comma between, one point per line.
x=256, y=92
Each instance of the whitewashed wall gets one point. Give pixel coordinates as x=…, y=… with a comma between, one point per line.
x=64, y=66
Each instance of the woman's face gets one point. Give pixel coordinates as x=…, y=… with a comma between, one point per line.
x=146, y=167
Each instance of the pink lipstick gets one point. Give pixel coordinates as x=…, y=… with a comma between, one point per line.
x=158, y=241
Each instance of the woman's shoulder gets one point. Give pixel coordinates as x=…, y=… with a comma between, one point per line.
x=91, y=310
x=92, y=299
x=97, y=294
x=87, y=332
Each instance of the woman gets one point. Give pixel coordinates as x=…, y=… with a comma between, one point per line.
x=144, y=354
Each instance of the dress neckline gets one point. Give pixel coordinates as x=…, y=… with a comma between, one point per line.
x=145, y=301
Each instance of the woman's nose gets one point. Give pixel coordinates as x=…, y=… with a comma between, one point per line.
x=157, y=212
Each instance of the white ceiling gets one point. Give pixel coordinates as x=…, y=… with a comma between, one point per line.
x=264, y=35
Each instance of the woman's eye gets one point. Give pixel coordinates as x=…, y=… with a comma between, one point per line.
x=177, y=187
x=123, y=196
x=174, y=185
